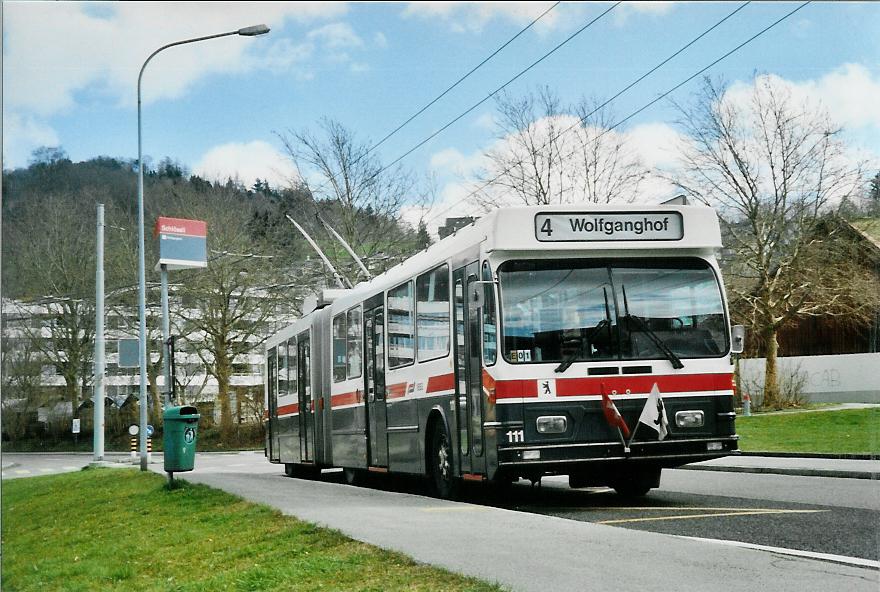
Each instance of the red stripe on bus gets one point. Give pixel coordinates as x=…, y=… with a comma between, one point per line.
x=443, y=382
x=345, y=399
x=577, y=387
x=395, y=391
x=285, y=409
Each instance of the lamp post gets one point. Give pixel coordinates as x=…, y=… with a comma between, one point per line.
x=142, y=280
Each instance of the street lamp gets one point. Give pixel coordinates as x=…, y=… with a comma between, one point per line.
x=142, y=280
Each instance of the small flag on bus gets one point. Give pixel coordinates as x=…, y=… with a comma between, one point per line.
x=654, y=413
x=612, y=415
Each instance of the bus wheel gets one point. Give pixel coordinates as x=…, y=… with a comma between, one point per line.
x=355, y=477
x=442, y=468
x=637, y=483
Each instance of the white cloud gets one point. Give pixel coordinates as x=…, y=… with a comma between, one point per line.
x=474, y=16
x=100, y=50
x=246, y=162
x=380, y=40
x=336, y=36
x=21, y=135
x=625, y=11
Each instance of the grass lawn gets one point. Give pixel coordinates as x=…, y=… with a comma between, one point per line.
x=118, y=529
x=838, y=432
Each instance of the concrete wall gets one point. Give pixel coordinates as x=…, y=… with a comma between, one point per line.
x=852, y=378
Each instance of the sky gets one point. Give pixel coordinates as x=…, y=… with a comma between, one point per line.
x=220, y=107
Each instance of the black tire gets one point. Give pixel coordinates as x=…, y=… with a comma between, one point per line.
x=578, y=480
x=637, y=483
x=442, y=467
x=356, y=477
x=300, y=471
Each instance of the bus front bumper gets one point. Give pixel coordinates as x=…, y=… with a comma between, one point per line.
x=563, y=458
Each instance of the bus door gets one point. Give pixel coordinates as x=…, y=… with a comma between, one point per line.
x=272, y=424
x=304, y=394
x=377, y=421
x=468, y=377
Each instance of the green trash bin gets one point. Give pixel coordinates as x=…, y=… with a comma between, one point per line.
x=179, y=438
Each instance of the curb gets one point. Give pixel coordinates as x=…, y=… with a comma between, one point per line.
x=846, y=456
x=786, y=471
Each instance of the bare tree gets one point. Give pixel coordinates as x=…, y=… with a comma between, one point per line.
x=229, y=304
x=360, y=198
x=547, y=153
x=772, y=166
x=50, y=261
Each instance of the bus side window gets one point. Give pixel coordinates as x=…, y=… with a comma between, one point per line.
x=291, y=366
x=353, y=355
x=432, y=313
x=339, y=343
x=490, y=333
x=401, y=348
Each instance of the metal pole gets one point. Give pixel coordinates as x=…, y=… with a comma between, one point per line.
x=166, y=335
x=346, y=245
x=98, y=395
x=142, y=277
x=340, y=281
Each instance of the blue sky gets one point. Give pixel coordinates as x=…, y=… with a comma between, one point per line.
x=70, y=72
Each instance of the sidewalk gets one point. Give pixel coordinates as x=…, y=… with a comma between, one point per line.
x=812, y=466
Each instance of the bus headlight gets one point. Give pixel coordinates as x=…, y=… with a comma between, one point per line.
x=552, y=424
x=690, y=419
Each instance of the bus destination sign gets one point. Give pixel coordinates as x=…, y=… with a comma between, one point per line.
x=609, y=226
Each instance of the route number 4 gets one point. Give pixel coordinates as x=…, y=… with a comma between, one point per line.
x=546, y=228
x=515, y=436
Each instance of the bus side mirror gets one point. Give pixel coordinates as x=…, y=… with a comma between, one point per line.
x=737, y=339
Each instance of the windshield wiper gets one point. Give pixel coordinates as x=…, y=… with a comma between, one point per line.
x=604, y=323
x=655, y=339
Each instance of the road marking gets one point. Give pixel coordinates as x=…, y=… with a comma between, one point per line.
x=713, y=515
x=22, y=472
x=794, y=552
x=454, y=509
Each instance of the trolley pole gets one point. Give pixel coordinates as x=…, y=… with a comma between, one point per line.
x=98, y=393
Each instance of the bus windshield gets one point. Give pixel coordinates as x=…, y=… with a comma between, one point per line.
x=571, y=310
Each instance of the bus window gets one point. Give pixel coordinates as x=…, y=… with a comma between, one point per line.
x=291, y=366
x=400, y=326
x=432, y=313
x=339, y=343
x=557, y=310
x=490, y=333
x=282, y=370
x=353, y=352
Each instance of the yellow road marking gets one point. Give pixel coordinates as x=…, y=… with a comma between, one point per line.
x=717, y=514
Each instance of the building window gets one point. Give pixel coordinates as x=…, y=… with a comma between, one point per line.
x=432, y=314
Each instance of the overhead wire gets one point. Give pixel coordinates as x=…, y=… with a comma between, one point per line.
x=647, y=105
x=494, y=92
x=446, y=92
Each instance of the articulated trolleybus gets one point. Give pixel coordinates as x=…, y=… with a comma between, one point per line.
x=517, y=347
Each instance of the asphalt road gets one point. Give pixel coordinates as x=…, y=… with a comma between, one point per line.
x=838, y=518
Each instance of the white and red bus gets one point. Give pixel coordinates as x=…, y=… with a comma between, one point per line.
x=486, y=356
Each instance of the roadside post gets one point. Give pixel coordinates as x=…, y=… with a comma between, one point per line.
x=133, y=430
x=75, y=430
x=182, y=245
